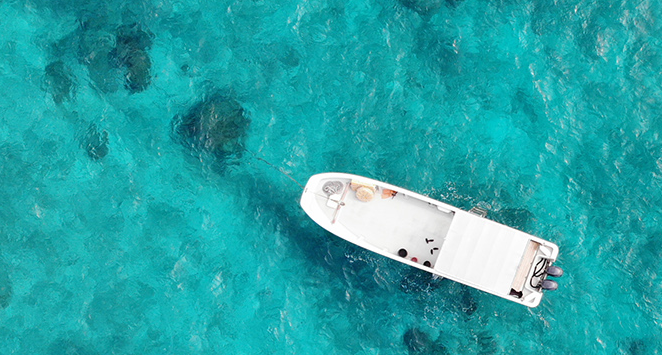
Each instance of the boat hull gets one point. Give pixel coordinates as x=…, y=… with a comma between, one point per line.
x=430, y=235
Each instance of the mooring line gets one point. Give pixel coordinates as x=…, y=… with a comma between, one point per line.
x=280, y=170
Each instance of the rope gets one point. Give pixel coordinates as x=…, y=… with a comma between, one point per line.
x=280, y=170
x=538, y=272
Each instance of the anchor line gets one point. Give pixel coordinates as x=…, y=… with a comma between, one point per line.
x=280, y=170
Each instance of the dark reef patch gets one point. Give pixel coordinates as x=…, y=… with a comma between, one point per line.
x=522, y=103
x=93, y=42
x=638, y=347
x=95, y=143
x=59, y=81
x=453, y=3
x=130, y=52
x=216, y=125
x=436, y=48
x=428, y=7
x=68, y=347
x=6, y=290
x=486, y=343
x=111, y=53
x=419, y=342
x=423, y=7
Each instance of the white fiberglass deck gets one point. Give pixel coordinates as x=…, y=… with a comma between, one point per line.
x=481, y=252
x=395, y=223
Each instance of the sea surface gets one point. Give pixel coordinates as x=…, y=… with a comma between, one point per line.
x=145, y=149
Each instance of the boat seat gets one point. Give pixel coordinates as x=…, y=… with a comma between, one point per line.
x=525, y=265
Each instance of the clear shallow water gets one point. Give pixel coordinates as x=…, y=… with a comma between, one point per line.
x=548, y=115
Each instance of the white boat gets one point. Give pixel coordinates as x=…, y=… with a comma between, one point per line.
x=433, y=236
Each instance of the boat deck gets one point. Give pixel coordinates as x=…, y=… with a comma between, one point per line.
x=398, y=222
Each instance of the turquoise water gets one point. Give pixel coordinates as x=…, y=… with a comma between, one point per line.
x=118, y=235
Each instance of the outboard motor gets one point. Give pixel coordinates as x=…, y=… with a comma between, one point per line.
x=554, y=271
x=549, y=285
